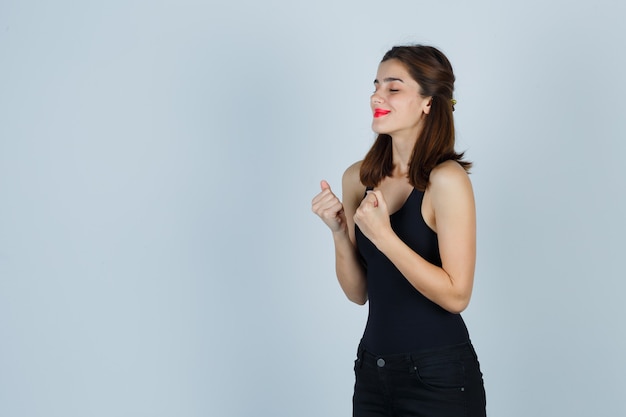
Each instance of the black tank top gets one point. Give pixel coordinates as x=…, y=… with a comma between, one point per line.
x=400, y=318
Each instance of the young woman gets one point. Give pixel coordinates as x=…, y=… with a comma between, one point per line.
x=405, y=239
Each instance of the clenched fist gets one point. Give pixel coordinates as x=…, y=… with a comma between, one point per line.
x=329, y=208
x=372, y=216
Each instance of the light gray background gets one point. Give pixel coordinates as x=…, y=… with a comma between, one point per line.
x=158, y=255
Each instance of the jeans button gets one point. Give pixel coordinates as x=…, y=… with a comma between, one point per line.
x=380, y=362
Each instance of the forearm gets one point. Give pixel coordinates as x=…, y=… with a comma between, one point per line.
x=350, y=271
x=431, y=280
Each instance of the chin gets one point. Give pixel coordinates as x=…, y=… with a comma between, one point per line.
x=378, y=130
x=381, y=132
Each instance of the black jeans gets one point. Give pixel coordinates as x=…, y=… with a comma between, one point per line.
x=443, y=382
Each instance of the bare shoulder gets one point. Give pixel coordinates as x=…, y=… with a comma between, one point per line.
x=450, y=187
x=449, y=175
x=352, y=173
x=353, y=190
x=450, y=198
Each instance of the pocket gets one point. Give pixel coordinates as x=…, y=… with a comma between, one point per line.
x=441, y=375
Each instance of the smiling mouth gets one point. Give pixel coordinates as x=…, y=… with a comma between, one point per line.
x=380, y=112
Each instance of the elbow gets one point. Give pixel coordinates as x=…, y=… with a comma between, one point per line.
x=456, y=309
x=359, y=299
x=458, y=296
x=458, y=304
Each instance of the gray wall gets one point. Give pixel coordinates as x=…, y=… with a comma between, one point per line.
x=158, y=255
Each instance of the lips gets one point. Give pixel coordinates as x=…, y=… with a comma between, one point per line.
x=380, y=112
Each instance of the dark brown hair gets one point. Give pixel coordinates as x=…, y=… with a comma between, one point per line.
x=430, y=68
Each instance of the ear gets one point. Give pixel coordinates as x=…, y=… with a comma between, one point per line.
x=428, y=101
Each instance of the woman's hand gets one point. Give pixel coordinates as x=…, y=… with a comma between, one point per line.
x=372, y=216
x=329, y=208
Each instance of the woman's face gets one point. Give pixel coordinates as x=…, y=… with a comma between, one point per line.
x=397, y=106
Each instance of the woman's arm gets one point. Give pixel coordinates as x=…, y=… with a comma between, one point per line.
x=452, y=204
x=339, y=218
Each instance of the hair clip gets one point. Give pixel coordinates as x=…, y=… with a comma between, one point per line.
x=453, y=101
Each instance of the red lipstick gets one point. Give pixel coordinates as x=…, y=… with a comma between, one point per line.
x=380, y=112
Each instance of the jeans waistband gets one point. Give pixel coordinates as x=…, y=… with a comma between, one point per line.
x=364, y=356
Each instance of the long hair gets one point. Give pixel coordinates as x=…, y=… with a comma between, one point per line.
x=430, y=68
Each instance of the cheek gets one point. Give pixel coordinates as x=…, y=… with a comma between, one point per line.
x=415, y=108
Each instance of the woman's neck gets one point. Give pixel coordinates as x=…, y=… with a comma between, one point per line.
x=402, y=150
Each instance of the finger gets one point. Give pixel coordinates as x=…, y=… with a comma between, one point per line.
x=373, y=197
x=381, y=199
x=332, y=211
x=326, y=202
x=324, y=185
x=324, y=197
x=325, y=194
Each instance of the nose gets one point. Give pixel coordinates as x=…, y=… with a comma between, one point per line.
x=376, y=99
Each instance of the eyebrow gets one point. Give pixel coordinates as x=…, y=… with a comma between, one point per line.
x=388, y=80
